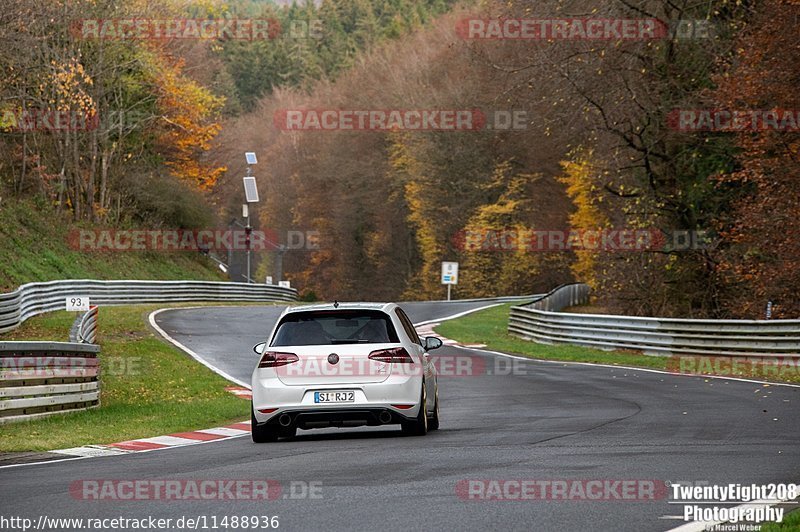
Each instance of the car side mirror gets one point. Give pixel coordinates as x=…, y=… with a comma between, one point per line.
x=431, y=343
x=260, y=348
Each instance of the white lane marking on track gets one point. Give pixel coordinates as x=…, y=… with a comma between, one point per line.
x=454, y=316
x=46, y=461
x=170, y=339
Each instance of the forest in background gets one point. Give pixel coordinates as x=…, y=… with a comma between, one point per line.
x=596, y=152
x=155, y=105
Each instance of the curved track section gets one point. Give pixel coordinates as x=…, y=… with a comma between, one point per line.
x=501, y=420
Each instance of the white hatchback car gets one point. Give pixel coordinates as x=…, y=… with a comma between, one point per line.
x=344, y=365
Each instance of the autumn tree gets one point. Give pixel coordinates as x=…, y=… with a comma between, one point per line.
x=759, y=257
x=580, y=176
x=188, y=113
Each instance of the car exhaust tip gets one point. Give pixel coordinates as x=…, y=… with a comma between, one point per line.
x=285, y=420
x=385, y=417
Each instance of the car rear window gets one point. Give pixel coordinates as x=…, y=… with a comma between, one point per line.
x=334, y=327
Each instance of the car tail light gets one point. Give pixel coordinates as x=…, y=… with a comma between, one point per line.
x=403, y=407
x=267, y=410
x=397, y=355
x=273, y=359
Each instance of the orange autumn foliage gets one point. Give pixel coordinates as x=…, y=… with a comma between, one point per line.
x=189, y=113
x=762, y=260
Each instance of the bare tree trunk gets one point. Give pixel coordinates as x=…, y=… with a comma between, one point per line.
x=105, y=200
x=90, y=213
x=76, y=177
x=24, y=155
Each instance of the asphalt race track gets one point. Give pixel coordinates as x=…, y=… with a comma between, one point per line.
x=535, y=420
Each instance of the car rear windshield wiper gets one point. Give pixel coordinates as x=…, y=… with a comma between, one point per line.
x=349, y=341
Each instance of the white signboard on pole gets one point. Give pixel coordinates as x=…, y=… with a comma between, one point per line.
x=284, y=284
x=449, y=273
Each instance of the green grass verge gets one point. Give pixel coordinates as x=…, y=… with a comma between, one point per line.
x=490, y=327
x=149, y=388
x=34, y=246
x=791, y=522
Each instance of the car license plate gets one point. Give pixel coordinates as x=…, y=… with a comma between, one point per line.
x=334, y=397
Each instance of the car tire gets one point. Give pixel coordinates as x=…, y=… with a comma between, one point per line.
x=261, y=433
x=419, y=426
x=433, y=423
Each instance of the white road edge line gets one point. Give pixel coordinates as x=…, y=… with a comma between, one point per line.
x=459, y=315
x=170, y=339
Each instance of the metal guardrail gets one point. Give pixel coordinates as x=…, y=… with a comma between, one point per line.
x=541, y=322
x=44, y=378
x=37, y=298
x=84, y=330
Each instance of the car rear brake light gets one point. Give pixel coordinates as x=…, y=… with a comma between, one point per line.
x=273, y=359
x=267, y=410
x=402, y=407
x=397, y=355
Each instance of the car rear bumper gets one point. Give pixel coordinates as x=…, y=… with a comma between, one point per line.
x=397, y=396
x=337, y=417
